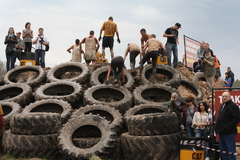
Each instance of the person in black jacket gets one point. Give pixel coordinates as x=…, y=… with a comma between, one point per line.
x=228, y=118
x=10, y=41
x=231, y=74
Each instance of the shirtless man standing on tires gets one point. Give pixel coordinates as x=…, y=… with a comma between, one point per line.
x=152, y=45
x=143, y=39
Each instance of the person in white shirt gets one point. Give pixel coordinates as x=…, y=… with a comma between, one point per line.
x=40, y=46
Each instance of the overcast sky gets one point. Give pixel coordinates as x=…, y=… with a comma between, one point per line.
x=214, y=21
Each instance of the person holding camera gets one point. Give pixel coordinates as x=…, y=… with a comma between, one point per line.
x=27, y=35
x=40, y=45
x=208, y=70
x=20, y=45
x=171, y=45
x=10, y=41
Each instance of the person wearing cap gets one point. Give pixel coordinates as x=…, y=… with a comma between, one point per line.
x=171, y=45
x=20, y=46
x=208, y=70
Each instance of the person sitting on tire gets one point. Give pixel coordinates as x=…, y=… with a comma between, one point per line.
x=153, y=46
x=117, y=66
x=1, y=121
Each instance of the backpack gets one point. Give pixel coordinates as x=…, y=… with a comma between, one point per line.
x=47, y=48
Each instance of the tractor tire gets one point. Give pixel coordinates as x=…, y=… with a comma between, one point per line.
x=1, y=81
x=118, y=98
x=112, y=115
x=164, y=147
x=152, y=124
x=62, y=90
x=99, y=77
x=16, y=92
x=37, y=123
x=165, y=75
x=52, y=106
x=192, y=89
x=9, y=109
x=153, y=94
x=69, y=132
x=71, y=71
x=30, y=75
x=20, y=146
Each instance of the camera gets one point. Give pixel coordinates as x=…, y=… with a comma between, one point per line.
x=10, y=37
x=41, y=39
x=202, y=57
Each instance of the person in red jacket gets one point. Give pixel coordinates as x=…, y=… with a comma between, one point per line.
x=188, y=111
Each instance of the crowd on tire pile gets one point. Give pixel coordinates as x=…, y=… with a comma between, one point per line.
x=193, y=118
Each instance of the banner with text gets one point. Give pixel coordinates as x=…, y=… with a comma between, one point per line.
x=191, y=46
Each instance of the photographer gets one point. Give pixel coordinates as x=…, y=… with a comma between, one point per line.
x=208, y=70
x=10, y=41
x=40, y=45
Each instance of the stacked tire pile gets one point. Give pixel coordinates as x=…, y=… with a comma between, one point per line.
x=33, y=134
x=91, y=113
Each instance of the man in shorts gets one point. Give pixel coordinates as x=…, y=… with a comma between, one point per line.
x=153, y=46
x=109, y=28
x=91, y=48
x=117, y=66
x=134, y=52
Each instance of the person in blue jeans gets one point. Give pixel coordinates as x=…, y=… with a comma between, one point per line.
x=10, y=41
x=172, y=42
x=40, y=45
x=200, y=119
x=188, y=111
x=226, y=126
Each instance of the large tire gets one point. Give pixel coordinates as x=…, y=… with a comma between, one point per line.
x=188, y=88
x=1, y=81
x=9, y=109
x=68, y=133
x=112, y=115
x=16, y=92
x=63, y=90
x=63, y=72
x=118, y=98
x=153, y=94
x=152, y=124
x=159, y=147
x=165, y=75
x=145, y=109
x=30, y=145
x=37, y=123
x=52, y=106
x=99, y=77
x=31, y=75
